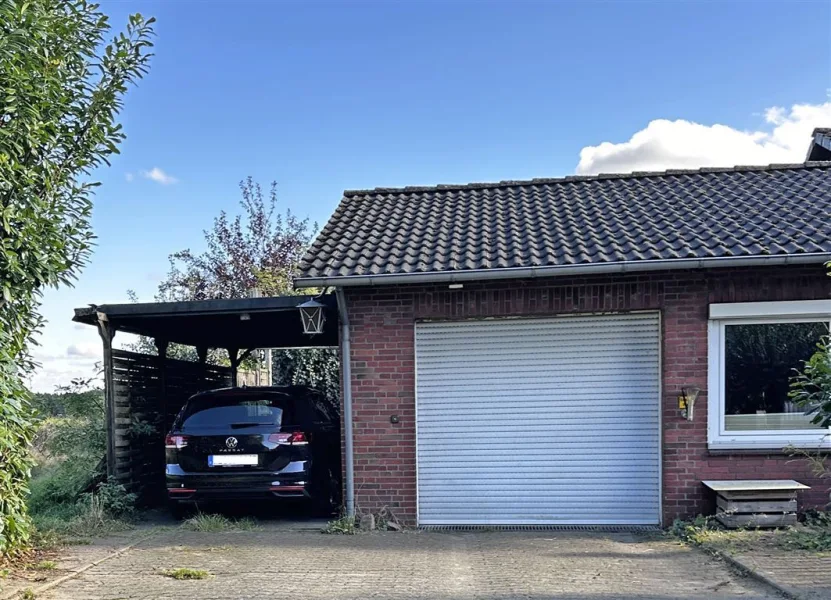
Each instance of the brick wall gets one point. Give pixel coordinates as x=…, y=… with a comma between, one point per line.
x=383, y=379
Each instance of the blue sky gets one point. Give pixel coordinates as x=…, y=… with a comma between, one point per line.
x=327, y=96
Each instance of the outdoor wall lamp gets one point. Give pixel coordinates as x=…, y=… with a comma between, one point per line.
x=686, y=401
x=311, y=314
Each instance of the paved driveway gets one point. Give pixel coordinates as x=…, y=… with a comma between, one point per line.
x=277, y=563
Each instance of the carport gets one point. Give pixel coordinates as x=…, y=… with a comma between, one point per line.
x=144, y=392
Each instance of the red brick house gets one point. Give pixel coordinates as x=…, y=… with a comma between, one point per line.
x=518, y=349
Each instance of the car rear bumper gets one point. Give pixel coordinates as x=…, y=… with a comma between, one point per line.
x=291, y=482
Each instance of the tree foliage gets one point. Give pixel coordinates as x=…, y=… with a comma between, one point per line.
x=258, y=248
x=72, y=425
x=60, y=92
x=811, y=388
x=315, y=367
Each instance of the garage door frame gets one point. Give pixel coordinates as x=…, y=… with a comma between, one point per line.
x=660, y=433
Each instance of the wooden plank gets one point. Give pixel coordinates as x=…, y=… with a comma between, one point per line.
x=757, y=506
x=754, y=485
x=735, y=521
x=745, y=496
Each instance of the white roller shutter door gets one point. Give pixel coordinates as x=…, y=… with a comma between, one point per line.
x=539, y=421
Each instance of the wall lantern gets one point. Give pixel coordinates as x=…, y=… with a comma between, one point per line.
x=686, y=401
x=311, y=314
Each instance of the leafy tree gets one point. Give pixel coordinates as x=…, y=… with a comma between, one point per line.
x=81, y=397
x=60, y=92
x=257, y=249
x=315, y=367
x=811, y=388
x=261, y=249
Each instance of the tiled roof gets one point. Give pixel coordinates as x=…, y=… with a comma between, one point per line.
x=776, y=210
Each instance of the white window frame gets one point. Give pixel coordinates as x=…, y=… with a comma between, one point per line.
x=755, y=313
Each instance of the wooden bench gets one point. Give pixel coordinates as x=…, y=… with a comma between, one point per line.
x=756, y=502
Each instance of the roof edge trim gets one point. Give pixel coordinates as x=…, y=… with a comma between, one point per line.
x=635, y=266
x=449, y=187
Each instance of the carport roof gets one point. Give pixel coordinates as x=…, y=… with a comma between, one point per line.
x=240, y=323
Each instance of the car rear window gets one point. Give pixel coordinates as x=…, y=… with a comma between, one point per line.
x=229, y=411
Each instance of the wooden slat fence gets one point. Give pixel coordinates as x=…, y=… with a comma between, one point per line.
x=148, y=394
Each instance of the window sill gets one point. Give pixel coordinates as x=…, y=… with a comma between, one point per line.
x=769, y=448
x=761, y=451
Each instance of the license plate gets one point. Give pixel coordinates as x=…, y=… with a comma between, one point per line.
x=232, y=460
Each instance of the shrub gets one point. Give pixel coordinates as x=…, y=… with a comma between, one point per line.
x=16, y=432
x=696, y=531
x=113, y=500
x=342, y=526
x=62, y=89
x=105, y=510
x=811, y=388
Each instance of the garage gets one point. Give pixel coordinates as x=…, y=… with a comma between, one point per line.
x=543, y=421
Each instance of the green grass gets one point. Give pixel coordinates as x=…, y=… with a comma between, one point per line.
x=46, y=565
x=83, y=520
x=59, y=523
x=185, y=573
x=61, y=515
x=68, y=450
x=28, y=594
x=212, y=523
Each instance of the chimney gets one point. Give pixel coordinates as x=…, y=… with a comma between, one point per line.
x=820, y=148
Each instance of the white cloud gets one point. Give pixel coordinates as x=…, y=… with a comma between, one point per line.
x=55, y=372
x=680, y=144
x=159, y=176
x=128, y=176
x=84, y=350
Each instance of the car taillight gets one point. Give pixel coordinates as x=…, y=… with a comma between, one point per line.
x=175, y=442
x=298, y=438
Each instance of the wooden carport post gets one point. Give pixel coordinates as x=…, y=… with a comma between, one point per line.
x=107, y=333
x=161, y=347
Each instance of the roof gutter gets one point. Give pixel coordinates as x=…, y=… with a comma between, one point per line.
x=633, y=266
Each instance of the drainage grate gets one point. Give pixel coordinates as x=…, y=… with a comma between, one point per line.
x=484, y=528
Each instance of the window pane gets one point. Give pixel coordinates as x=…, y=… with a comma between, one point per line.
x=759, y=363
x=226, y=411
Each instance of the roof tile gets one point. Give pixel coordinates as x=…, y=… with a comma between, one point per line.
x=709, y=212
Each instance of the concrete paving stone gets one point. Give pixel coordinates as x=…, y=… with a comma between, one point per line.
x=279, y=564
x=802, y=574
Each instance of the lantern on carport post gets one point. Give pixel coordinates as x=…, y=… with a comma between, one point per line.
x=311, y=314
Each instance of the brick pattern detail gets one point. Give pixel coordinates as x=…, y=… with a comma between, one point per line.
x=383, y=379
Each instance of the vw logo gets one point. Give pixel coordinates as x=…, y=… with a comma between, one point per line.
x=231, y=442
